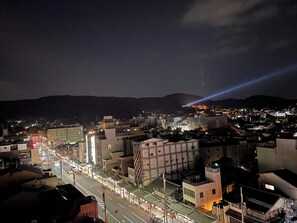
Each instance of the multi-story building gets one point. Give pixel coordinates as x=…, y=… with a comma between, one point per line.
x=108, y=122
x=154, y=157
x=203, y=192
x=65, y=134
x=123, y=163
x=239, y=152
x=82, y=151
x=213, y=121
x=283, y=155
x=11, y=147
x=19, y=150
x=104, y=148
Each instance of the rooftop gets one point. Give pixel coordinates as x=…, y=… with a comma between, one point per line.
x=287, y=175
x=255, y=199
x=158, y=185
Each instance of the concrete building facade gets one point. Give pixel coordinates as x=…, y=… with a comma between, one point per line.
x=154, y=157
x=282, y=155
x=203, y=193
x=104, y=148
x=65, y=134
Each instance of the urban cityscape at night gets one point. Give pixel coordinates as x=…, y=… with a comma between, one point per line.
x=153, y=111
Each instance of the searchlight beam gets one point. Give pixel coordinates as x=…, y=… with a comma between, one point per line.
x=283, y=71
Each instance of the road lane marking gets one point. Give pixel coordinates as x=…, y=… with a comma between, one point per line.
x=138, y=217
x=127, y=218
x=114, y=218
x=121, y=205
x=108, y=197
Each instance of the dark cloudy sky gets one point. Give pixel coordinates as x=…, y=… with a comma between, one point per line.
x=146, y=48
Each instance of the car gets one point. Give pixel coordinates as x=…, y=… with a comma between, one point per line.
x=156, y=220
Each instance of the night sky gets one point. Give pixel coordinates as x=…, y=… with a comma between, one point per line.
x=146, y=48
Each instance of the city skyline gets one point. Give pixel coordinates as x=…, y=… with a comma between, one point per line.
x=146, y=49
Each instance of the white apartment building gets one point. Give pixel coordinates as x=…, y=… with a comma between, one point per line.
x=283, y=155
x=9, y=147
x=65, y=134
x=154, y=157
x=104, y=148
x=203, y=193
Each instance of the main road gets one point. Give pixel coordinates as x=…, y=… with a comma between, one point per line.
x=119, y=210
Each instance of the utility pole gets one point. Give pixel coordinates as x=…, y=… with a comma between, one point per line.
x=241, y=205
x=104, y=203
x=61, y=163
x=165, y=198
x=73, y=175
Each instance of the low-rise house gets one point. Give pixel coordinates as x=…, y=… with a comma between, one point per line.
x=253, y=205
x=203, y=192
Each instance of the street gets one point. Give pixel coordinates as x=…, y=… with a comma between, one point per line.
x=118, y=209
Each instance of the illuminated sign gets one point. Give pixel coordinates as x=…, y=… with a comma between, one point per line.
x=93, y=149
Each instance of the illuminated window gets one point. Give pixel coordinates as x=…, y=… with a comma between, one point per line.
x=269, y=187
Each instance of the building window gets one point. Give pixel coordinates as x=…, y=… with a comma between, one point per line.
x=189, y=193
x=154, y=143
x=213, y=191
x=147, y=144
x=201, y=194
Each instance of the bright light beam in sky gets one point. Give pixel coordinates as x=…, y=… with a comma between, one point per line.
x=283, y=71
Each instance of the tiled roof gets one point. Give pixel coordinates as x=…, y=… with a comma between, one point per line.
x=158, y=185
x=140, y=193
x=254, y=198
x=201, y=218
